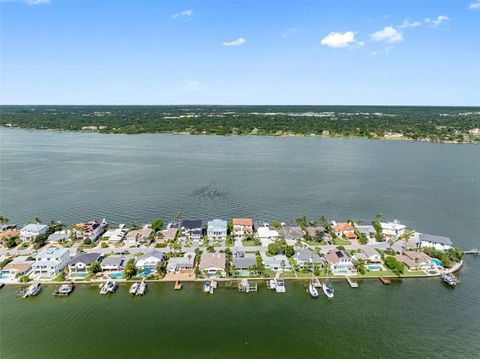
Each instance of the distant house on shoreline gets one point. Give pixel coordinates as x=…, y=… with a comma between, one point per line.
x=242, y=226
x=32, y=230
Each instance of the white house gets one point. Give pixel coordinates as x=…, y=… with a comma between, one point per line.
x=217, y=229
x=393, y=229
x=278, y=263
x=115, y=263
x=138, y=236
x=59, y=236
x=267, y=235
x=438, y=242
x=340, y=262
x=212, y=264
x=116, y=235
x=176, y=264
x=306, y=258
x=51, y=261
x=368, y=254
x=150, y=259
x=32, y=230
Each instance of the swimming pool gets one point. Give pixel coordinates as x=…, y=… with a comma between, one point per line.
x=116, y=275
x=78, y=275
x=437, y=262
x=374, y=268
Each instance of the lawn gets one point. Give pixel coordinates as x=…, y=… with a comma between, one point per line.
x=341, y=242
x=249, y=243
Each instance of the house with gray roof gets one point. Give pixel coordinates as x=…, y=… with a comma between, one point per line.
x=291, y=233
x=150, y=259
x=176, y=264
x=438, y=242
x=306, y=258
x=244, y=261
x=276, y=263
x=115, y=262
x=81, y=262
x=59, y=236
x=32, y=230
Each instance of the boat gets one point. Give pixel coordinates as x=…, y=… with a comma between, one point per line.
x=64, y=290
x=450, y=279
x=108, y=287
x=312, y=290
x=134, y=288
x=271, y=284
x=329, y=291
x=142, y=288
x=206, y=287
x=280, y=286
x=32, y=290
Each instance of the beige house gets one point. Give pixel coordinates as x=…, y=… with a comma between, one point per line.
x=212, y=264
x=138, y=236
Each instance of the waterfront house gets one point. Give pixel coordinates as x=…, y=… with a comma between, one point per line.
x=340, y=262
x=192, y=229
x=91, y=230
x=59, y=236
x=138, y=236
x=409, y=263
x=306, y=258
x=115, y=263
x=344, y=229
x=19, y=266
x=244, y=261
x=217, y=229
x=176, y=264
x=81, y=262
x=267, y=235
x=242, y=226
x=422, y=260
x=51, y=261
x=150, y=259
x=437, y=242
x=212, y=264
x=314, y=231
x=393, y=229
x=116, y=235
x=278, y=263
x=371, y=255
x=168, y=235
x=291, y=233
x=32, y=230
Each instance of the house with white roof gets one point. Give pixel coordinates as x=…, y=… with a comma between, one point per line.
x=437, y=242
x=368, y=254
x=32, y=230
x=176, y=264
x=393, y=229
x=138, y=236
x=150, y=259
x=115, y=263
x=116, y=235
x=278, y=263
x=59, y=236
x=217, y=229
x=51, y=261
x=267, y=235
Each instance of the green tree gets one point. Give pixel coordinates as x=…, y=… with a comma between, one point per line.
x=394, y=265
x=276, y=224
x=94, y=268
x=302, y=222
x=273, y=249
x=157, y=224
x=130, y=270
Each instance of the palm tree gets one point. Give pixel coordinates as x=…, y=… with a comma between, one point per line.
x=4, y=220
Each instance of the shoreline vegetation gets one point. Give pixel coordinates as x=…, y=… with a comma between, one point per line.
x=457, y=125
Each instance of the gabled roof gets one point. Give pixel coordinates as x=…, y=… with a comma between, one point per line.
x=157, y=254
x=306, y=255
x=191, y=223
x=85, y=258
x=248, y=260
x=52, y=252
x=369, y=251
x=334, y=256
x=34, y=227
x=341, y=227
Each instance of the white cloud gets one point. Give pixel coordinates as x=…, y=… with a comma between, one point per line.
x=406, y=24
x=238, y=42
x=339, y=40
x=474, y=5
x=190, y=86
x=184, y=13
x=289, y=32
x=388, y=34
x=437, y=21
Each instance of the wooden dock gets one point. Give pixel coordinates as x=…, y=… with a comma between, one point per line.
x=473, y=251
x=178, y=285
x=351, y=282
x=244, y=286
x=385, y=280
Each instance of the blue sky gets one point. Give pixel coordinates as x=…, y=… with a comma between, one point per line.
x=240, y=52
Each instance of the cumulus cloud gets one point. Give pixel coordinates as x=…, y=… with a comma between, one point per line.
x=474, y=5
x=339, y=40
x=406, y=24
x=238, y=42
x=437, y=21
x=184, y=13
x=388, y=34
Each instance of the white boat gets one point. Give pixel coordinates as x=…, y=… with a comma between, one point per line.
x=450, y=279
x=134, y=288
x=280, y=286
x=142, y=288
x=32, y=290
x=108, y=287
x=329, y=291
x=206, y=287
x=312, y=290
x=64, y=290
x=271, y=284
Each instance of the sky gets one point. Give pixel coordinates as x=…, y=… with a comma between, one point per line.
x=120, y=52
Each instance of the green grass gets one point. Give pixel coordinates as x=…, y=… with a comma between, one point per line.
x=341, y=242
x=380, y=273
x=287, y=274
x=249, y=243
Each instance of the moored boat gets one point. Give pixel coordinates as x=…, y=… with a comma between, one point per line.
x=64, y=290
x=134, y=288
x=206, y=286
x=450, y=279
x=329, y=291
x=312, y=290
x=108, y=287
x=32, y=290
x=142, y=288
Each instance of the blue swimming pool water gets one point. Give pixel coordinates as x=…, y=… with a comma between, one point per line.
x=78, y=275
x=437, y=262
x=147, y=272
x=374, y=268
x=116, y=275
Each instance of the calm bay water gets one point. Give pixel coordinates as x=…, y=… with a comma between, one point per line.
x=72, y=176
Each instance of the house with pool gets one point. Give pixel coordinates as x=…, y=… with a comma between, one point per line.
x=243, y=262
x=149, y=261
x=78, y=265
x=340, y=263
x=438, y=242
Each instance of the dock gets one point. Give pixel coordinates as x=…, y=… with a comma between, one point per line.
x=474, y=251
x=351, y=282
x=385, y=280
x=178, y=285
x=244, y=286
